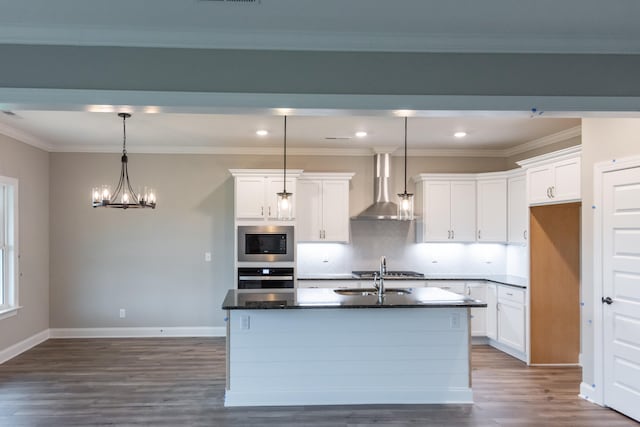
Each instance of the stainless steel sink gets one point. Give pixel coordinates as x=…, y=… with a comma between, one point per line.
x=370, y=291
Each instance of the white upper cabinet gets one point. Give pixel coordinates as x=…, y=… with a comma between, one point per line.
x=492, y=210
x=518, y=214
x=554, y=177
x=323, y=207
x=446, y=209
x=256, y=192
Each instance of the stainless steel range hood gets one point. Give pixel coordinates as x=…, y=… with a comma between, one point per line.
x=382, y=208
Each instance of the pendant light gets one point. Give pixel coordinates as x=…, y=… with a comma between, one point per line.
x=123, y=197
x=405, y=200
x=285, y=205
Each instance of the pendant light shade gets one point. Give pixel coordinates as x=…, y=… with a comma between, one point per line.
x=285, y=199
x=405, y=200
x=124, y=196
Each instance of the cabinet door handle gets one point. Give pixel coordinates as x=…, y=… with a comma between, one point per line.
x=320, y=234
x=453, y=234
x=553, y=192
x=269, y=210
x=524, y=234
x=510, y=294
x=479, y=235
x=548, y=192
x=261, y=210
x=448, y=234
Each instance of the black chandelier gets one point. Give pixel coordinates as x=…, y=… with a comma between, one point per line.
x=124, y=197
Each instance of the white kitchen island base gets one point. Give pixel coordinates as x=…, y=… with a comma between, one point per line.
x=330, y=356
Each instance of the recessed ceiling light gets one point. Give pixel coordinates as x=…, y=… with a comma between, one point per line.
x=361, y=134
x=262, y=132
x=460, y=134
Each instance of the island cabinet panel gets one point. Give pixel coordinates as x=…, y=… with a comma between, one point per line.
x=326, y=356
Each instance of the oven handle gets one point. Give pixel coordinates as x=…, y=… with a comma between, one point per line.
x=265, y=278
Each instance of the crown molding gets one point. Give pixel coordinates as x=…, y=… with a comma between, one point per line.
x=544, y=141
x=24, y=137
x=552, y=157
x=240, y=151
x=315, y=41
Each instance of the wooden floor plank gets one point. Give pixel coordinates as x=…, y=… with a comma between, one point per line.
x=180, y=382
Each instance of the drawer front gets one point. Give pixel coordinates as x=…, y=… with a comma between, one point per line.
x=508, y=293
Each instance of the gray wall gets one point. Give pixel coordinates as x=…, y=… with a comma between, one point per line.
x=31, y=167
x=152, y=262
x=602, y=140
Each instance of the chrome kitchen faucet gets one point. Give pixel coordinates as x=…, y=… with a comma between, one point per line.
x=379, y=285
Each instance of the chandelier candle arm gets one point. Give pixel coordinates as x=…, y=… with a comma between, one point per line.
x=405, y=200
x=124, y=196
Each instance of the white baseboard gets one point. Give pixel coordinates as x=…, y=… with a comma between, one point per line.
x=506, y=349
x=196, y=331
x=479, y=340
x=452, y=395
x=588, y=392
x=24, y=345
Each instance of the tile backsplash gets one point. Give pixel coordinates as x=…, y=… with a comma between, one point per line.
x=396, y=240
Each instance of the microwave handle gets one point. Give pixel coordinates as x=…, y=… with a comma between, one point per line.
x=265, y=278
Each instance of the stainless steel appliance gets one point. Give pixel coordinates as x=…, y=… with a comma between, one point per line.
x=388, y=275
x=265, y=243
x=265, y=277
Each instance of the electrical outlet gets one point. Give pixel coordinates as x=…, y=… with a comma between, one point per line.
x=245, y=323
x=123, y=313
x=455, y=321
x=207, y=256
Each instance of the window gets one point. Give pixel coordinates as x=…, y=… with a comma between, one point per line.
x=8, y=246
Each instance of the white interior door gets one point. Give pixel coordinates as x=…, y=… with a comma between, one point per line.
x=621, y=290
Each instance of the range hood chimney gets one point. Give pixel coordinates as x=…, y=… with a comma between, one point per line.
x=382, y=208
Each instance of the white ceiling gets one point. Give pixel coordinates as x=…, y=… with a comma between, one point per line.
x=418, y=25
x=170, y=132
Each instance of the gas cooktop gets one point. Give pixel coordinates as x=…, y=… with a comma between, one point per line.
x=388, y=274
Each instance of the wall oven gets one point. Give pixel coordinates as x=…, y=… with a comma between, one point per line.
x=265, y=278
x=265, y=243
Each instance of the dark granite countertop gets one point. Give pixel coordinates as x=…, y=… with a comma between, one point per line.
x=327, y=298
x=516, y=281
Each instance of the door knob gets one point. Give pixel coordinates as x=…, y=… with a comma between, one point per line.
x=608, y=300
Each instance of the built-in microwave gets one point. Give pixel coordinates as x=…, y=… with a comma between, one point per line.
x=265, y=243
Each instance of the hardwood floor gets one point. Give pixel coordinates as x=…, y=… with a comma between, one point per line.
x=180, y=382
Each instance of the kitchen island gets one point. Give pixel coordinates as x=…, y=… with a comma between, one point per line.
x=322, y=347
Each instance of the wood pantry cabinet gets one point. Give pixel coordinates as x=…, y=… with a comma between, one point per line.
x=492, y=210
x=256, y=192
x=323, y=207
x=446, y=209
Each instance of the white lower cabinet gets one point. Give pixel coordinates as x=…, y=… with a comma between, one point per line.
x=492, y=313
x=478, y=290
x=511, y=317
